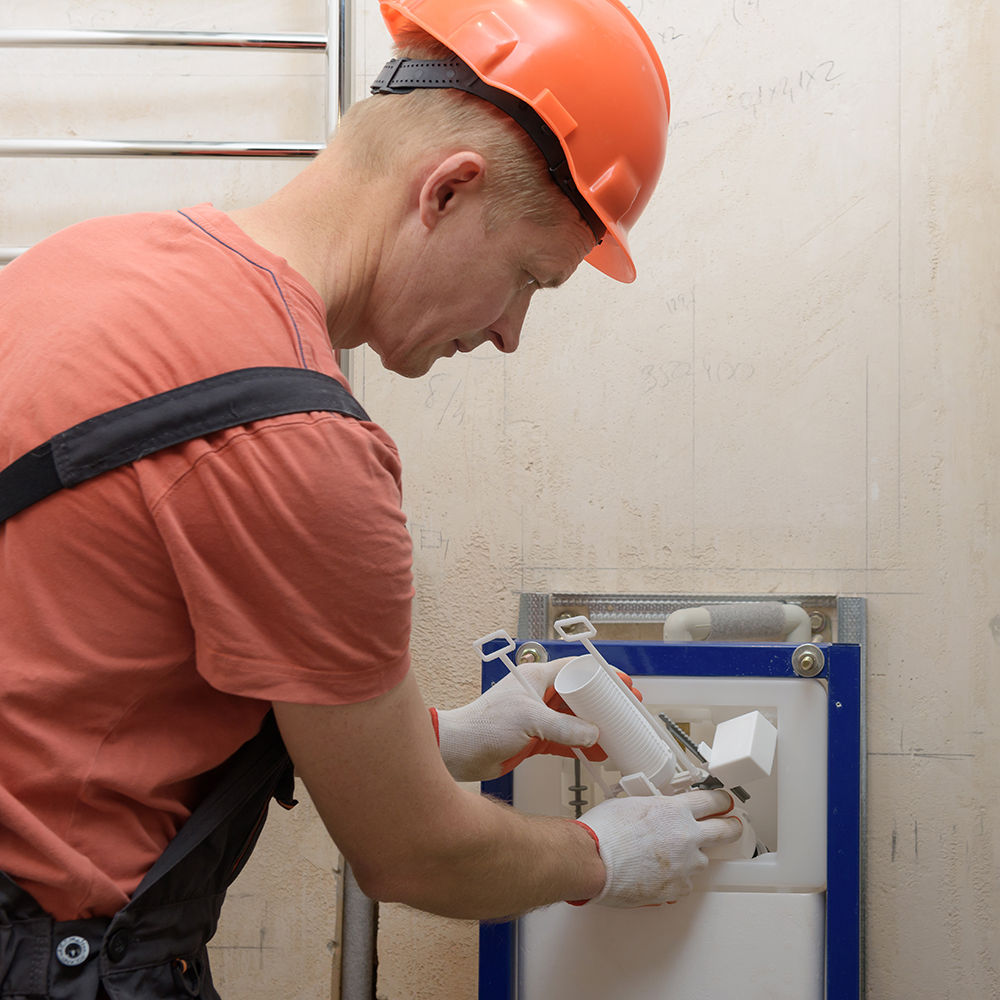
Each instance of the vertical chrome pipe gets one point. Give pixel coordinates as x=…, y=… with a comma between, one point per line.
x=359, y=918
x=345, y=56
x=340, y=13
x=359, y=932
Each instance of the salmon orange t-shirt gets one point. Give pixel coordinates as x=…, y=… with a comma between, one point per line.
x=149, y=617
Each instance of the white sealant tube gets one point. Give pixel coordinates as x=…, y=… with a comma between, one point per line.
x=632, y=744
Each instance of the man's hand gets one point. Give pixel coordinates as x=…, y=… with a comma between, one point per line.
x=494, y=733
x=652, y=846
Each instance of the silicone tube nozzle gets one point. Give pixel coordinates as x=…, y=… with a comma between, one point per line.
x=627, y=736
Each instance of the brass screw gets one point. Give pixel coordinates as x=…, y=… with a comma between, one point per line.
x=808, y=660
x=531, y=652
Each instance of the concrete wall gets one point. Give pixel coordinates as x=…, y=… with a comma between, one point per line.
x=796, y=396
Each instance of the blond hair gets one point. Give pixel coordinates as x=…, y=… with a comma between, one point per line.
x=387, y=132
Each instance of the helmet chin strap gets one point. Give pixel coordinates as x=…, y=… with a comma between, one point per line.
x=401, y=76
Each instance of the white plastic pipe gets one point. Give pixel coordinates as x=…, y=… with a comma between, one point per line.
x=632, y=744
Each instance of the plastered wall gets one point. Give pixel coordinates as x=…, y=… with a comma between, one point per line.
x=796, y=396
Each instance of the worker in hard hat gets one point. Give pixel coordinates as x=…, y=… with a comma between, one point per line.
x=204, y=561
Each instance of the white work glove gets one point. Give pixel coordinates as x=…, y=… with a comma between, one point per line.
x=494, y=733
x=652, y=846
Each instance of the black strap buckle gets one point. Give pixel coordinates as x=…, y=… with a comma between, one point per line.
x=401, y=76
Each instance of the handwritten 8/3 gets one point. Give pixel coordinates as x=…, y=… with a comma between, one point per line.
x=668, y=373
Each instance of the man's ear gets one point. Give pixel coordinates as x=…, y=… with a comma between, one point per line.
x=453, y=179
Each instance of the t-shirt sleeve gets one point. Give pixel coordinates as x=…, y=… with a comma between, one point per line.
x=291, y=549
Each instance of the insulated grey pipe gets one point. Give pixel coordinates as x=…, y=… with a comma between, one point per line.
x=180, y=39
x=152, y=147
x=732, y=621
x=739, y=620
x=359, y=930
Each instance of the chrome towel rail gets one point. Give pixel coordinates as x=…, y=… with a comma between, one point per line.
x=336, y=45
x=183, y=39
x=153, y=147
x=42, y=37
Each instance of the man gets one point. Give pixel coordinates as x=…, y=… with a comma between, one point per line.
x=152, y=616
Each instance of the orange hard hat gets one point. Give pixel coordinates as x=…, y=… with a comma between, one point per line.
x=580, y=76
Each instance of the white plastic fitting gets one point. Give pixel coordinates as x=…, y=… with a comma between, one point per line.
x=742, y=749
x=628, y=738
x=744, y=848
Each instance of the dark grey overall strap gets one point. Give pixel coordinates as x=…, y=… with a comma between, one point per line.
x=173, y=913
x=135, y=430
x=261, y=763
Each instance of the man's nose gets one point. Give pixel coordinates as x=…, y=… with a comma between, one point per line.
x=506, y=332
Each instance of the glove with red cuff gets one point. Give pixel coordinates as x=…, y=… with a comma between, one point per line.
x=493, y=734
x=652, y=846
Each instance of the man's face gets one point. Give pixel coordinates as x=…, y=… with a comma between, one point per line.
x=471, y=287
